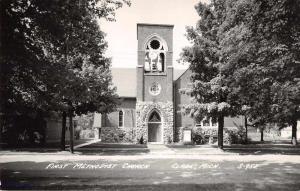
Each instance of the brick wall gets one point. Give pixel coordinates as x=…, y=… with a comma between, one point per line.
x=164, y=31
x=144, y=81
x=181, y=120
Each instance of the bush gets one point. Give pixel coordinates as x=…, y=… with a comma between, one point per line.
x=121, y=135
x=141, y=140
x=235, y=136
x=198, y=136
x=86, y=134
x=229, y=137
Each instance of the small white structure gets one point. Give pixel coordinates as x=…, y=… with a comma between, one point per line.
x=187, y=136
x=97, y=123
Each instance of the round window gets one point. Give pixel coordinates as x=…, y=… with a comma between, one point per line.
x=155, y=89
x=155, y=44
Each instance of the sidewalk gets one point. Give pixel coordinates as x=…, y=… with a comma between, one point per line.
x=95, y=147
x=131, y=149
x=120, y=149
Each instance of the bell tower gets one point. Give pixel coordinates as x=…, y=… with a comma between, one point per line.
x=154, y=82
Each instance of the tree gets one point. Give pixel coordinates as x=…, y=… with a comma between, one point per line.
x=208, y=90
x=245, y=55
x=260, y=41
x=286, y=107
x=52, y=57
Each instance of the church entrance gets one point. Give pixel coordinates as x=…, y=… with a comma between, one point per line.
x=154, y=128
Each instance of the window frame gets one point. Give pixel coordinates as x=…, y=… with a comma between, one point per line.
x=201, y=124
x=123, y=118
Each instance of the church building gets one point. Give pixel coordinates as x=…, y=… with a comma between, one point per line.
x=150, y=95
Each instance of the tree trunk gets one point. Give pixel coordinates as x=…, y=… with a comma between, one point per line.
x=71, y=132
x=63, y=132
x=2, y=118
x=220, y=131
x=246, y=128
x=262, y=135
x=294, y=132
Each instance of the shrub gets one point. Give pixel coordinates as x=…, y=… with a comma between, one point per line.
x=211, y=140
x=141, y=140
x=235, y=136
x=121, y=135
x=198, y=136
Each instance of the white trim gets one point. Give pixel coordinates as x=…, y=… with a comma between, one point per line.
x=157, y=52
x=210, y=123
x=155, y=35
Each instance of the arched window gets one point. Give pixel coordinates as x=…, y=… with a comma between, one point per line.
x=155, y=56
x=121, y=119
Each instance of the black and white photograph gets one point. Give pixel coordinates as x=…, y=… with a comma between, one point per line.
x=160, y=95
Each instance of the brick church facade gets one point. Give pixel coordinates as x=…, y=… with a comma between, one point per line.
x=150, y=97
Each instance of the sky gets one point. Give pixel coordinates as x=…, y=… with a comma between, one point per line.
x=121, y=34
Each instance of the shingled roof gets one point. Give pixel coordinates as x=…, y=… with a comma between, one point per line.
x=125, y=80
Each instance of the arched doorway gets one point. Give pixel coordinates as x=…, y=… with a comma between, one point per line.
x=154, y=128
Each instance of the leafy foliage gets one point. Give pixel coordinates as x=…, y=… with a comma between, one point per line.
x=208, y=90
x=260, y=41
x=245, y=60
x=198, y=136
x=236, y=136
x=52, y=56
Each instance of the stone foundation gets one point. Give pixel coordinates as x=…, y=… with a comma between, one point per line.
x=87, y=134
x=116, y=134
x=143, y=110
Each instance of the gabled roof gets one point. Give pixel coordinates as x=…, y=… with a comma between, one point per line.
x=181, y=75
x=178, y=73
x=125, y=80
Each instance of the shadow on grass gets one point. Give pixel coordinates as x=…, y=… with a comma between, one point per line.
x=98, y=148
x=51, y=147
x=261, y=149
